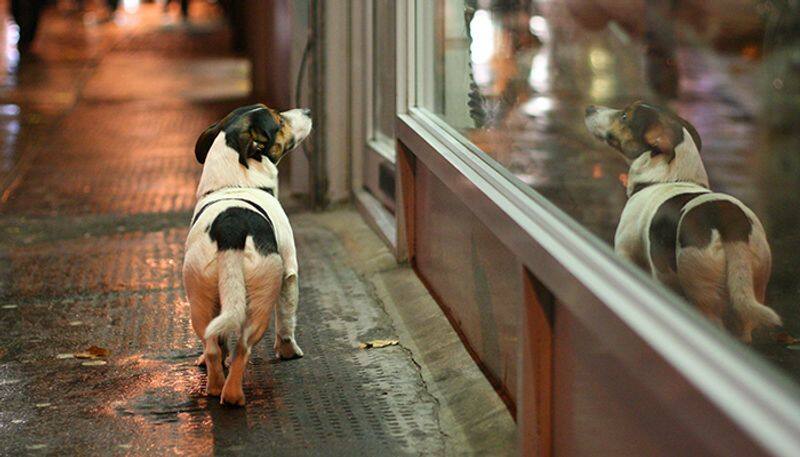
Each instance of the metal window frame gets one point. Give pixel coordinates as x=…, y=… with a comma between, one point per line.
x=583, y=271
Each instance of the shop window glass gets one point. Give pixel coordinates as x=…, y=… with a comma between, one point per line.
x=514, y=78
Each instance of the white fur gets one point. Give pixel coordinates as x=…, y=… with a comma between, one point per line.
x=299, y=122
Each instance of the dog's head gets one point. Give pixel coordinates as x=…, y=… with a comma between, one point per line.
x=639, y=128
x=257, y=131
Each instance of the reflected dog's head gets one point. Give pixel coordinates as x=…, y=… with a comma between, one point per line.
x=255, y=132
x=640, y=128
x=658, y=145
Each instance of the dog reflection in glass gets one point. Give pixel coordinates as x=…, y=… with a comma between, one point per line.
x=707, y=246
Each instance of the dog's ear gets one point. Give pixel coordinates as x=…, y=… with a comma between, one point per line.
x=268, y=126
x=662, y=136
x=205, y=141
x=254, y=145
x=245, y=146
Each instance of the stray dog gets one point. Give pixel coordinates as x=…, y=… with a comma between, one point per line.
x=707, y=246
x=240, y=261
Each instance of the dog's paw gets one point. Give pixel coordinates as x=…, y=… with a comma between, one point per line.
x=213, y=389
x=228, y=360
x=232, y=397
x=287, y=348
x=200, y=361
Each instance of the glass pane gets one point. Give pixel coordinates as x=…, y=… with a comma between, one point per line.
x=722, y=99
x=384, y=75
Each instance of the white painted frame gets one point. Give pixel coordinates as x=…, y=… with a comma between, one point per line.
x=367, y=147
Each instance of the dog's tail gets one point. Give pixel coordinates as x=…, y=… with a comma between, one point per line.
x=232, y=296
x=750, y=312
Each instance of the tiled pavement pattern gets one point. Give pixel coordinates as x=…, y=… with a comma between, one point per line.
x=98, y=179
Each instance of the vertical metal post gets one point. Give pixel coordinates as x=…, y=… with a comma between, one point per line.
x=318, y=177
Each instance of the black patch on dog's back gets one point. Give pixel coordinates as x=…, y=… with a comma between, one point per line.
x=723, y=215
x=231, y=228
x=243, y=200
x=664, y=231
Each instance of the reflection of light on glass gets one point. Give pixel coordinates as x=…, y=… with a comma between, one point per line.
x=130, y=6
x=11, y=52
x=602, y=86
x=9, y=110
x=539, y=79
x=599, y=59
x=8, y=150
x=482, y=75
x=482, y=31
x=538, y=106
x=12, y=128
x=597, y=171
x=538, y=26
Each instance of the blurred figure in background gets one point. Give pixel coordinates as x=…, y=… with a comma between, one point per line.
x=184, y=8
x=26, y=14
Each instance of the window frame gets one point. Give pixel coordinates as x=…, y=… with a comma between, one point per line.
x=370, y=148
x=585, y=273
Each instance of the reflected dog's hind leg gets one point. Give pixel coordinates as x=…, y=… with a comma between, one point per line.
x=701, y=274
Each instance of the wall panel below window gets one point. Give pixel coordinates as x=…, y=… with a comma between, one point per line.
x=476, y=278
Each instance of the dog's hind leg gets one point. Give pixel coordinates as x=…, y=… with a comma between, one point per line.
x=228, y=349
x=701, y=274
x=203, y=306
x=285, y=320
x=213, y=358
x=259, y=310
x=232, y=392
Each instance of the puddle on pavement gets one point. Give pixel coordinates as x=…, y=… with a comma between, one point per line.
x=163, y=406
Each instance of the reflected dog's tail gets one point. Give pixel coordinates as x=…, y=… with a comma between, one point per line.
x=739, y=273
x=232, y=296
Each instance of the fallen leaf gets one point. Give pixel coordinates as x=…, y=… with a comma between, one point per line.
x=2, y=352
x=9, y=306
x=786, y=339
x=43, y=405
x=94, y=363
x=75, y=323
x=67, y=355
x=17, y=421
x=92, y=352
x=378, y=344
x=35, y=447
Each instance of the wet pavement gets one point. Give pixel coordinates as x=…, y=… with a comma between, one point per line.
x=98, y=180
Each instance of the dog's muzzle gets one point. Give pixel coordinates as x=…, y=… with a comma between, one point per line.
x=598, y=120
